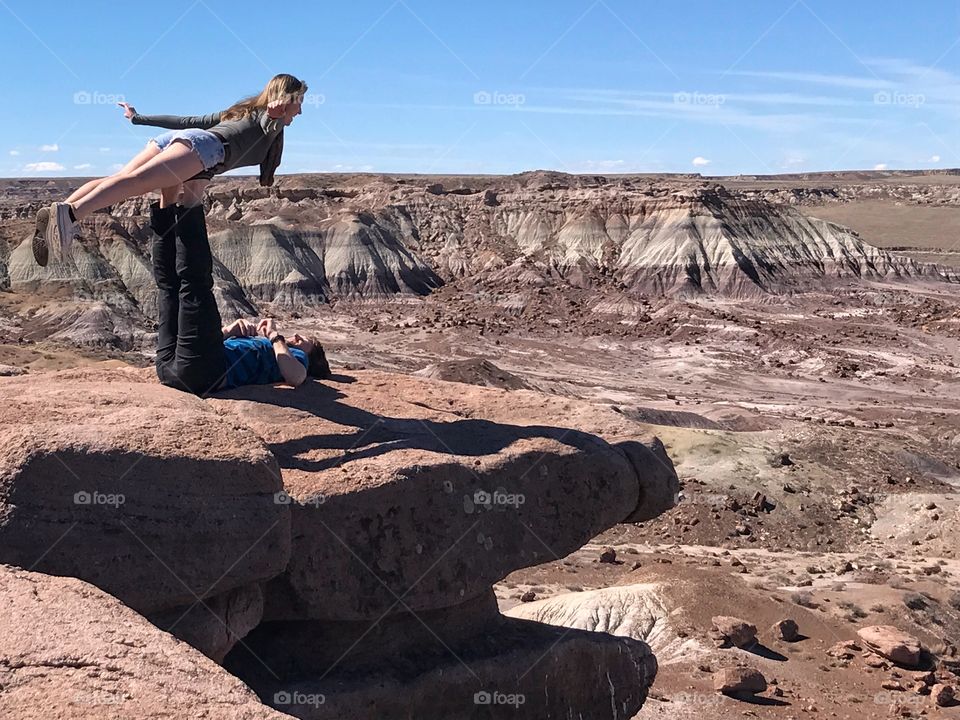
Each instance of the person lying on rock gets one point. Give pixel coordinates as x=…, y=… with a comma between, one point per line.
x=257, y=354
x=250, y=132
x=195, y=353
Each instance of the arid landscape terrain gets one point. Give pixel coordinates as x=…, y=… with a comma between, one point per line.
x=793, y=342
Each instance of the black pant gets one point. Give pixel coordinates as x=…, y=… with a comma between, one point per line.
x=190, y=354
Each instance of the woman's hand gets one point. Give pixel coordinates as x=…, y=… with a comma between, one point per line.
x=128, y=110
x=246, y=328
x=276, y=109
x=240, y=328
x=266, y=327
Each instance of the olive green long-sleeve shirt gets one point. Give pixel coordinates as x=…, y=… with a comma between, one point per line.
x=256, y=139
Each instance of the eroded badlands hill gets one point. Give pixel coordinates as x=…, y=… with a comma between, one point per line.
x=315, y=239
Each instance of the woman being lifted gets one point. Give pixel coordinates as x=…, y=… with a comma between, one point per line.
x=183, y=160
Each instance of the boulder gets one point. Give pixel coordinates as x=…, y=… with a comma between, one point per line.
x=214, y=625
x=457, y=662
x=659, y=485
x=72, y=651
x=893, y=644
x=942, y=695
x=844, y=650
x=402, y=497
x=139, y=489
x=732, y=632
x=739, y=680
x=786, y=630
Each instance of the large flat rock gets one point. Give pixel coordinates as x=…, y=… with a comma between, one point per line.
x=144, y=491
x=71, y=651
x=417, y=494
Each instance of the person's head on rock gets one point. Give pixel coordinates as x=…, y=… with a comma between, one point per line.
x=318, y=367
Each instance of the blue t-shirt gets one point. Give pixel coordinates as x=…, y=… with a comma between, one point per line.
x=251, y=361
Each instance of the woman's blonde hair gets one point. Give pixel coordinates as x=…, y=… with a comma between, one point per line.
x=282, y=87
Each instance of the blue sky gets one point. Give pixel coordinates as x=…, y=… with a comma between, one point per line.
x=740, y=86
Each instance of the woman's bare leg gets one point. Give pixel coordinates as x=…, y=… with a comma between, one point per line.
x=193, y=192
x=148, y=153
x=171, y=167
x=169, y=195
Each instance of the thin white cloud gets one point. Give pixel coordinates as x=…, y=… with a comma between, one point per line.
x=14, y=152
x=601, y=166
x=793, y=159
x=43, y=167
x=82, y=166
x=719, y=115
x=700, y=161
x=50, y=148
x=844, y=81
x=104, y=149
x=880, y=166
x=699, y=100
x=934, y=159
x=340, y=167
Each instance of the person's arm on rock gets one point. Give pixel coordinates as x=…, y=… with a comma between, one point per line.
x=290, y=368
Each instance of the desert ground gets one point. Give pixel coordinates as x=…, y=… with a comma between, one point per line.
x=814, y=423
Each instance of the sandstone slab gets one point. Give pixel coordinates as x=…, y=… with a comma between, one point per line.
x=892, y=643
x=71, y=651
x=139, y=489
x=403, y=497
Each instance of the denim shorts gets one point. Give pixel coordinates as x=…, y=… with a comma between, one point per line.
x=207, y=145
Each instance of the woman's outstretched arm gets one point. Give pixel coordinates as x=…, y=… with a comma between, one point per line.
x=171, y=122
x=177, y=122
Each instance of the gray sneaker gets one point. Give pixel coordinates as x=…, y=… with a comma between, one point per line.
x=60, y=232
x=40, y=251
